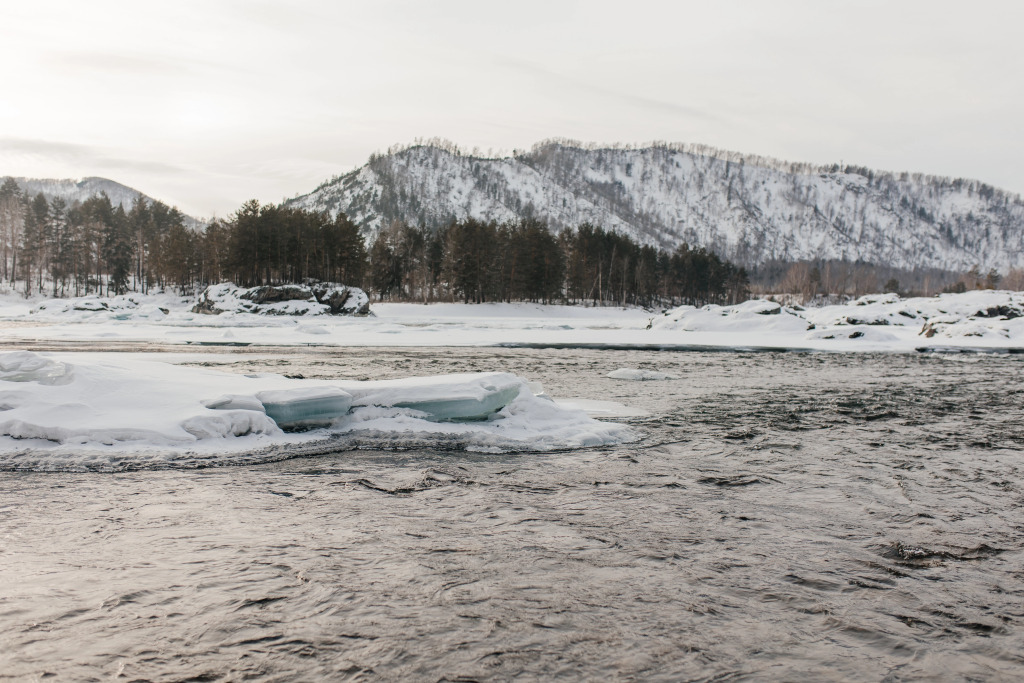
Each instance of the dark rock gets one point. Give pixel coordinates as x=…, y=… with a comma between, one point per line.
x=857, y=321
x=91, y=306
x=1008, y=312
x=206, y=306
x=270, y=295
x=341, y=299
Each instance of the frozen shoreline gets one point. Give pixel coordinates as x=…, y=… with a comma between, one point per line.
x=974, y=321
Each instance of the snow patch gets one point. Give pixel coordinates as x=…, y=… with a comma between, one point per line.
x=25, y=366
x=755, y=316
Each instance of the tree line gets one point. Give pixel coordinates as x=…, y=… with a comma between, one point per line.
x=832, y=279
x=475, y=261
x=86, y=247
x=95, y=247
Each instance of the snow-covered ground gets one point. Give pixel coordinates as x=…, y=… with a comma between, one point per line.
x=984, y=319
x=117, y=410
x=114, y=410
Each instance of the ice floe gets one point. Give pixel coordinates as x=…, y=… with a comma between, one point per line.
x=111, y=411
x=447, y=398
x=305, y=406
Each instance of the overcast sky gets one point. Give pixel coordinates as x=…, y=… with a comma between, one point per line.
x=206, y=104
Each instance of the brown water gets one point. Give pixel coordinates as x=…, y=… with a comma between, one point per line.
x=787, y=516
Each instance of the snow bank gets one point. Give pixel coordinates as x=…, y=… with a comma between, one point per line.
x=23, y=366
x=123, y=307
x=991, y=320
x=883, y=321
x=756, y=315
x=140, y=318
x=61, y=412
x=981, y=313
x=861, y=332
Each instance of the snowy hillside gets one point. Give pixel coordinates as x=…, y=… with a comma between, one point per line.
x=73, y=191
x=749, y=209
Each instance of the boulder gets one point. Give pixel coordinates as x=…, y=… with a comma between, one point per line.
x=317, y=298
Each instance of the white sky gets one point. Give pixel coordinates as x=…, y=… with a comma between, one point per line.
x=204, y=104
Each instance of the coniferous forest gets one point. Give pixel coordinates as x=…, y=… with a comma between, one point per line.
x=94, y=247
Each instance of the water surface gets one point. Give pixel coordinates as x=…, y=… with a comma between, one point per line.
x=786, y=515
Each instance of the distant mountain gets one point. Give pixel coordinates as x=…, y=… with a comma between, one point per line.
x=746, y=208
x=73, y=191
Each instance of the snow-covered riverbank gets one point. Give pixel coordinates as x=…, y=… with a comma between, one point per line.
x=992, y=320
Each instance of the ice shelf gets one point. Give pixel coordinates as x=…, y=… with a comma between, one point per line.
x=114, y=411
x=465, y=408
x=305, y=407
x=444, y=398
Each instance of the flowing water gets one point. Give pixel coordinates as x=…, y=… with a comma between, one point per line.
x=786, y=516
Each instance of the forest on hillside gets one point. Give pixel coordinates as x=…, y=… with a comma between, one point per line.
x=95, y=247
x=746, y=209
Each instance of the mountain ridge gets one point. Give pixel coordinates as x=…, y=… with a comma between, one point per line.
x=74, y=190
x=747, y=208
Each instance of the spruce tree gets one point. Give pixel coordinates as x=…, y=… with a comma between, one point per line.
x=117, y=251
x=12, y=219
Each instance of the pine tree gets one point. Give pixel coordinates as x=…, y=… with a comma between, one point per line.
x=59, y=236
x=33, y=240
x=386, y=264
x=117, y=251
x=12, y=219
x=179, y=265
x=140, y=220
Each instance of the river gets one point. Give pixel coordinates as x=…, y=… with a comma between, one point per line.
x=785, y=516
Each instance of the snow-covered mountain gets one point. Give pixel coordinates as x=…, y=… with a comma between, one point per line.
x=749, y=209
x=73, y=191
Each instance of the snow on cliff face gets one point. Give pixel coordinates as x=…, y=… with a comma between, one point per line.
x=746, y=208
